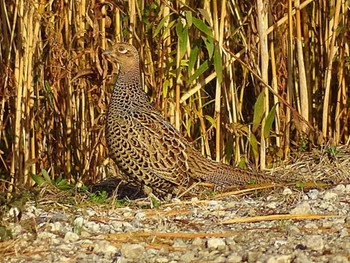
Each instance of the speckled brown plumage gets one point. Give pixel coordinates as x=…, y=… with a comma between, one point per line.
x=146, y=147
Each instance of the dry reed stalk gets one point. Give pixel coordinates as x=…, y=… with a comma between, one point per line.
x=132, y=16
x=177, y=111
x=275, y=88
x=285, y=19
x=264, y=62
x=303, y=88
x=290, y=69
x=84, y=137
x=328, y=76
x=217, y=36
x=277, y=217
x=17, y=157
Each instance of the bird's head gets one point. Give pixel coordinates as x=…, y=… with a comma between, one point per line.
x=124, y=54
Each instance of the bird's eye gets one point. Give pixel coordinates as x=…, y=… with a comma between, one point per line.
x=122, y=50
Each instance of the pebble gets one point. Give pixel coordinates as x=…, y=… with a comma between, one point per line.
x=216, y=243
x=92, y=227
x=79, y=221
x=340, y=259
x=272, y=205
x=287, y=191
x=313, y=194
x=132, y=251
x=197, y=242
x=340, y=188
x=300, y=257
x=314, y=242
x=330, y=196
x=162, y=260
x=59, y=217
x=71, y=237
x=234, y=258
x=188, y=257
x=105, y=247
x=279, y=259
x=303, y=208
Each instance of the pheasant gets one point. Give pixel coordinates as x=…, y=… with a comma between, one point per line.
x=147, y=148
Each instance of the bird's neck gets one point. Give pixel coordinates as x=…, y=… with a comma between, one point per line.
x=129, y=77
x=128, y=90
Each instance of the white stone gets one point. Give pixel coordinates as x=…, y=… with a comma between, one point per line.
x=347, y=188
x=71, y=237
x=339, y=259
x=197, y=242
x=314, y=242
x=13, y=213
x=56, y=227
x=79, y=221
x=300, y=257
x=330, y=196
x=280, y=259
x=122, y=260
x=287, y=191
x=340, y=188
x=46, y=235
x=216, y=243
x=234, y=258
x=104, y=246
x=132, y=251
x=292, y=230
x=140, y=215
x=303, y=208
x=272, y=205
x=189, y=256
x=161, y=260
x=213, y=204
x=313, y=194
x=280, y=242
x=90, y=211
x=93, y=227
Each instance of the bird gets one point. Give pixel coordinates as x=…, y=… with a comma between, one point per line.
x=147, y=148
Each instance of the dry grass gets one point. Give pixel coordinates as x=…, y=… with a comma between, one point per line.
x=204, y=63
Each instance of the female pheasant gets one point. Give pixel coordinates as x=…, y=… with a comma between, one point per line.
x=146, y=147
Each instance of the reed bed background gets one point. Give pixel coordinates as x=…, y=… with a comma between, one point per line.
x=246, y=81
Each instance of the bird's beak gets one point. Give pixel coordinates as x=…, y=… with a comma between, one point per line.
x=108, y=51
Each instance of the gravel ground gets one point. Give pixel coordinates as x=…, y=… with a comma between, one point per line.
x=287, y=226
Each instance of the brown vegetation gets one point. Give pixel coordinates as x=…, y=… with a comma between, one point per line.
x=245, y=80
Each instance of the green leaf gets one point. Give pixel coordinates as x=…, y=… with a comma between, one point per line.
x=38, y=179
x=160, y=25
x=242, y=163
x=206, y=15
x=258, y=111
x=58, y=179
x=269, y=120
x=170, y=25
x=202, y=27
x=46, y=175
x=218, y=63
x=199, y=71
x=165, y=88
x=189, y=18
x=209, y=44
x=182, y=34
x=254, y=144
x=64, y=185
x=211, y=120
x=193, y=59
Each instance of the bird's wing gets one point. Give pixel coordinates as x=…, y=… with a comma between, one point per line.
x=165, y=146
